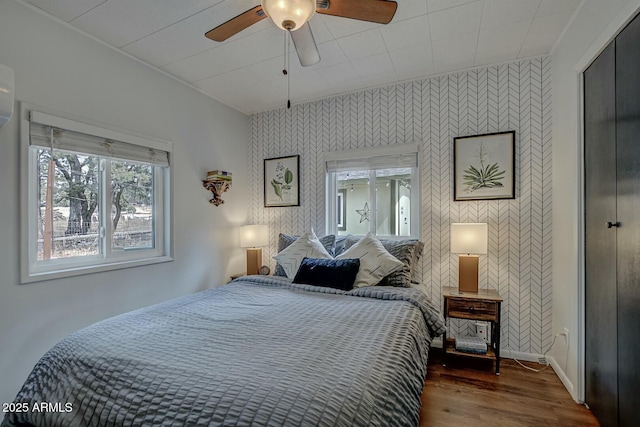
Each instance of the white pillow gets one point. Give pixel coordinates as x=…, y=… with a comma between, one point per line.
x=375, y=261
x=306, y=245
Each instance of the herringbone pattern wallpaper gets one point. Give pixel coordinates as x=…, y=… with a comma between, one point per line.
x=515, y=96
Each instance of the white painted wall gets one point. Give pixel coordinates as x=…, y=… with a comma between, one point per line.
x=596, y=23
x=59, y=68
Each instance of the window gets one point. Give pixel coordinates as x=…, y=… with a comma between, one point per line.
x=95, y=199
x=374, y=190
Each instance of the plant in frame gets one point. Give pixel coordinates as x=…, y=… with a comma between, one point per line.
x=282, y=182
x=486, y=176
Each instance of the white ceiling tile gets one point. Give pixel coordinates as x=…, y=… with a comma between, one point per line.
x=551, y=7
x=503, y=37
x=223, y=85
x=186, y=38
x=411, y=32
x=424, y=37
x=260, y=98
x=317, y=89
x=346, y=86
x=374, y=65
x=502, y=12
x=436, y=5
x=66, y=9
x=408, y=9
x=414, y=73
x=331, y=54
x=544, y=31
x=411, y=66
x=527, y=50
x=342, y=27
x=201, y=66
x=413, y=58
x=362, y=44
x=305, y=85
x=497, y=56
x=378, y=80
x=454, y=53
x=236, y=54
x=120, y=22
x=455, y=21
x=335, y=74
x=263, y=73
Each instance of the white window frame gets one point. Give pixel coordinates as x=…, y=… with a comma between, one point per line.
x=34, y=270
x=364, y=153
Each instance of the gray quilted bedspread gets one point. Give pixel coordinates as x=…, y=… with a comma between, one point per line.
x=260, y=351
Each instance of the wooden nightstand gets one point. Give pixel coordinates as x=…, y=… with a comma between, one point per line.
x=235, y=276
x=484, y=306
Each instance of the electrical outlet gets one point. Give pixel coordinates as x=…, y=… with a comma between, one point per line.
x=483, y=330
x=565, y=332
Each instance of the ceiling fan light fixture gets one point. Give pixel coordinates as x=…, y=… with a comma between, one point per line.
x=289, y=15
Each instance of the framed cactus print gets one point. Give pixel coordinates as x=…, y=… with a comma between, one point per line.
x=282, y=181
x=484, y=166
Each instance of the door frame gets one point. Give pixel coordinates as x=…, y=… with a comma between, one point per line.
x=616, y=25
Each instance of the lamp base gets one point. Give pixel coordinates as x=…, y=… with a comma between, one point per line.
x=254, y=260
x=468, y=273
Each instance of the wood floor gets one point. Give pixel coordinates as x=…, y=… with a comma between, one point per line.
x=467, y=393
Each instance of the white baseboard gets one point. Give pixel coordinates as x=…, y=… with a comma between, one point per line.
x=527, y=357
x=531, y=357
x=563, y=377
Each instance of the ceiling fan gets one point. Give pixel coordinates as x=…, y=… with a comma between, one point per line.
x=293, y=16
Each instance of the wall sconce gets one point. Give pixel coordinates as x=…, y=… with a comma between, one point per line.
x=217, y=182
x=469, y=240
x=251, y=237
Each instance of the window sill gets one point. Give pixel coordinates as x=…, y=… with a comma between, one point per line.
x=62, y=272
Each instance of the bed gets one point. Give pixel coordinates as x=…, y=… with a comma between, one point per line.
x=259, y=351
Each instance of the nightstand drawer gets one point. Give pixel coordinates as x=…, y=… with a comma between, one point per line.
x=477, y=310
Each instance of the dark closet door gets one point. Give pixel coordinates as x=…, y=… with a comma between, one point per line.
x=628, y=143
x=600, y=241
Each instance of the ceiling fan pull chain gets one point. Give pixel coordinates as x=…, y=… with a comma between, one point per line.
x=288, y=58
x=284, y=57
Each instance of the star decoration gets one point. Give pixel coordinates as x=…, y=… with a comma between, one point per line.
x=364, y=212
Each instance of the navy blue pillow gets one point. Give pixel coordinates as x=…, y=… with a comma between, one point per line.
x=332, y=273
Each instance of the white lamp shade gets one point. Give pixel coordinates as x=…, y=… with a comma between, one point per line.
x=252, y=236
x=469, y=238
x=285, y=12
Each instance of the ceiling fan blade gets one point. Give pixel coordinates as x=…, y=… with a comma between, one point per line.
x=305, y=45
x=380, y=11
x=235, y=25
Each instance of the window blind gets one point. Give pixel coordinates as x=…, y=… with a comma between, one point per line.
x=403, y=160
x=48, y=135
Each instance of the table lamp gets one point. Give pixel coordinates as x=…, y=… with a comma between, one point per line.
x=251, y=237
x=469, y=240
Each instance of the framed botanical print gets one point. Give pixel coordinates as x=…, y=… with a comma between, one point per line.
x=282, y=181
x=484, y=166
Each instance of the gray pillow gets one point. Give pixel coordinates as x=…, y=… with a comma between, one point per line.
x=408, y=251
x=285, y=240
x=340, y=242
